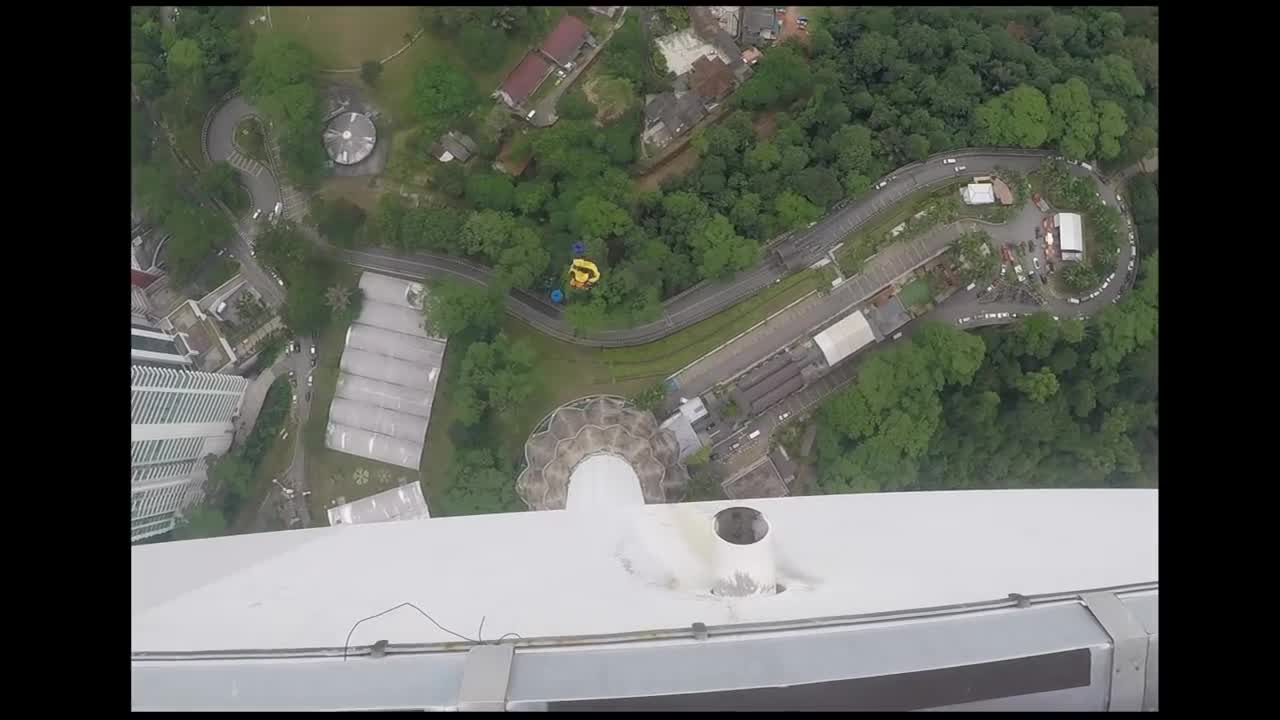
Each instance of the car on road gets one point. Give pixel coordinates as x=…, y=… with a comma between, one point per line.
x=278, y=208
x=292, y=374
x=1036, y=262
x=311, y=378
x=313, y=350
x=1086, y=166
x=257, y=213
x=881, y=184
x=896, y=335
x=1074, y=301
x=960, y=168
x=949, y=161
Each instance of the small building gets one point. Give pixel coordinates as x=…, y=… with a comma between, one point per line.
x=751, y=56
x=711, y=79
x=890, y=316
x=453, y=145
x=978, y=194
x=845, y=338
x=1070, y=235
x=403, y=503
x=565, y=43
x=668, y=117
x=1003, y=194
x=760, y=25
x=524, y=80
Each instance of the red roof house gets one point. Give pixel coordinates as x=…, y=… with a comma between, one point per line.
x=563, y=44
x=524, y=79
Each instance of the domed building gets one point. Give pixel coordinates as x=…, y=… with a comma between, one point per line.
x=349, y=138
x=600, y=451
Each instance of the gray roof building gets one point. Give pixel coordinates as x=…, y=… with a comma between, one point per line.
x=760, y=25
x=889, y=316
x=668, y=116
x=454, y=145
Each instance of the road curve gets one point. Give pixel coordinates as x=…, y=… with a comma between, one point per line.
x=707, y=298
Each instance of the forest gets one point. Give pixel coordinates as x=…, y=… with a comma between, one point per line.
x=1043, y=403
x=879, y=87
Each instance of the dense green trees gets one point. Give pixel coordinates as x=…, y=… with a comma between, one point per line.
x=454, y=308
x=496, y=378
x=339, y=221
x=280, y=81
x=442, y=91
x=1039, y=404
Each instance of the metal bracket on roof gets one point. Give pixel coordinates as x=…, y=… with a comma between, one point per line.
x=486, y=675
x=1129, y=642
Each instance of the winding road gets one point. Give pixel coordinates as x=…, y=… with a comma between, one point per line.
x=708, y=298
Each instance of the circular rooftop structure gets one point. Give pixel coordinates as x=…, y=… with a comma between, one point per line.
x=349, y=138
x=600, y=451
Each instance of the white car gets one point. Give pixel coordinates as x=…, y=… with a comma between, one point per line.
x=897, y=335
x=1004, y=315
x=1055, y=318
x=1074, y=301
x=1086, y=166
x=970, y=286
x=961, y=167
x=882, y=184
x=990, y=288
x=311, y=377
x=531, y=114
x=949, y=161
x=1130, y=235
x=1104, y=202
x=784, y=416
x=257, y=213
x=276, y=211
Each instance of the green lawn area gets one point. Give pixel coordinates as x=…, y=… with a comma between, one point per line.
x=916, y=292
x=346, y=36
x=656, y=360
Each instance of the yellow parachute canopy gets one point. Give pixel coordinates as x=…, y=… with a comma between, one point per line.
x=583, y=273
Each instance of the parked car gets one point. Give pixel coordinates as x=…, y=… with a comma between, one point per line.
x=734, y=447
x=970, y=286
x=257, y=213
x=784, y=416
x=961, y=168
x=949, y=161
x=897, y=335
x=311, y=379
x=313, y=350
x=221, y=306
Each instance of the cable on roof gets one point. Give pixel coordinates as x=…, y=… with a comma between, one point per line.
x=346, y=645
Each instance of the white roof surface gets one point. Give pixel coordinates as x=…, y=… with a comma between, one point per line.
x=978, y=194
x=694, y=409
x=845, y=338
x=1070, y=233
x=686, y=436
x=389, y=368
x=403, y=503
x=603, y=481
x=566, y=573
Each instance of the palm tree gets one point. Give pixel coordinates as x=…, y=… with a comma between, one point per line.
x=338, y=298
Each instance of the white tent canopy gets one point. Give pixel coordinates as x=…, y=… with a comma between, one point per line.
x=845, y=338
x=1070, y=233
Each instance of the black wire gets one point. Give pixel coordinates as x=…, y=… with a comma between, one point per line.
x=347, y=644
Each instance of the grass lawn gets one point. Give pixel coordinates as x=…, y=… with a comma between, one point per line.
x=346, y=36
x=657, y=360
x=916, y=292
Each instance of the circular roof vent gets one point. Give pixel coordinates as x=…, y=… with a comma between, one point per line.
x=350, y=138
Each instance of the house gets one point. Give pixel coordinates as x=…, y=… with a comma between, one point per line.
x=978, y=194
x=453, y=145
x=760, y=25
x=708, y=27
x=711, y=79
x=523, y=80
x=566, y=41
x=668, y=116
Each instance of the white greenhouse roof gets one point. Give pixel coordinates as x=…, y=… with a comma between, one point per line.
x=403, y=503
x=1070, y=232
x=845, y=338
x=389, y=368
x=561, y=573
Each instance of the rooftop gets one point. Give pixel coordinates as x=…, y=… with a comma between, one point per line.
x=525, y=78
x=558, y=574
x=711, y=78
x=563, y=43
x=382, y=401
x=845, y=337
x=212, y=350
x=403, y=503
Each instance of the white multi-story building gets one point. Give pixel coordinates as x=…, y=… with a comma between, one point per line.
x=178, y=418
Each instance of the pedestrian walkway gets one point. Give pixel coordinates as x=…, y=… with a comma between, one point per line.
x=245, y=164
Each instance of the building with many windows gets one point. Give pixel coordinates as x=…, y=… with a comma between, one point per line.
x=178, y=418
